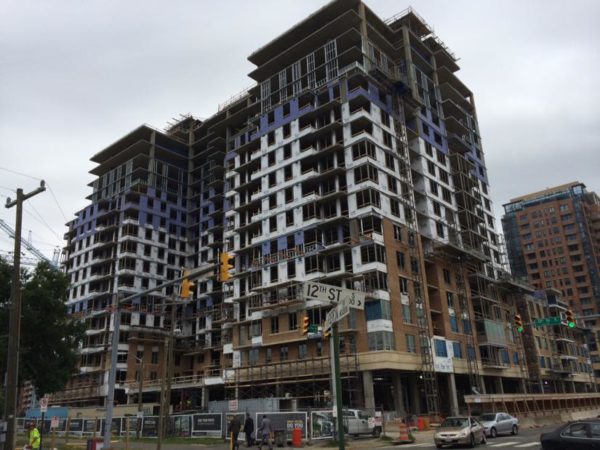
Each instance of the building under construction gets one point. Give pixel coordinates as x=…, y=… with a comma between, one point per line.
x=355, y=160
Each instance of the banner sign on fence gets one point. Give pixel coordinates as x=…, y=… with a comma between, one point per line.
x=321, y=424
x=284, y=421
x=206, y=422
x=90, y=425
x=150, y=426
x=76, y=426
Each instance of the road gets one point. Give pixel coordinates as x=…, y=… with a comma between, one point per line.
x=526, y=439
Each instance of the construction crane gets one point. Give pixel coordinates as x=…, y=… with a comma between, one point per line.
x=34, y=251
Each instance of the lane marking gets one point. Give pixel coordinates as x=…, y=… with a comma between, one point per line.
x=504, y=444
x=423, y=444
x=528, y=444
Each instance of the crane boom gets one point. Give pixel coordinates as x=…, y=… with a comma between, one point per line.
x=27, y=245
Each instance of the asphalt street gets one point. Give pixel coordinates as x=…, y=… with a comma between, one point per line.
x=528, y=439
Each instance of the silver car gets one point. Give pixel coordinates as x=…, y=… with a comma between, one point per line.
x=459, y=431
x=499, y=423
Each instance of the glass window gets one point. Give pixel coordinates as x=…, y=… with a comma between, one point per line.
x=580, y=430
x=406, y=314
x=381, y=340
x=457, y=349
x=379, y=309
x=440, y=348
x=410, y=343
x=453, y=324
x=302, y=351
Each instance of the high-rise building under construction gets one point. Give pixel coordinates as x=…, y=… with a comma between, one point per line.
x=355, y=161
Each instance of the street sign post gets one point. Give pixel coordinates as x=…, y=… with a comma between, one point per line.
x=44, y=404
x=342, y=299
x=333, y=294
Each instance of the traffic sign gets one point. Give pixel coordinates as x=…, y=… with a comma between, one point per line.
x=44, y=404
x=233, y=405
x=333, y=294
x=336, y=314
x=554, y=320
x=54, y=422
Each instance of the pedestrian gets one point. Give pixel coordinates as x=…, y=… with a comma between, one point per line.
x=249, y=430
x=234, y=431
x=34, y=437
x=266, y=429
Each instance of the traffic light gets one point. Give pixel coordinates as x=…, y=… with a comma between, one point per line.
x=186, y=285
x=570, y=318
x=326, y=332
x=305, y=324
x=518, y=323
x=226, y=265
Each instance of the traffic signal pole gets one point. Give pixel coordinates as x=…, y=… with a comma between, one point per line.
x=338, y=386
x=112, y=374
x=117, y=302
x=14, y=333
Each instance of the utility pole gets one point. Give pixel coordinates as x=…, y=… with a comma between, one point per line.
x=14, y=333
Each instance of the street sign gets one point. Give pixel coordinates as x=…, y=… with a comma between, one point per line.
x=336, y=314
x=44, y=404
x=313, y=328
x=333, y=294
x=54, y=422
x=554, y=320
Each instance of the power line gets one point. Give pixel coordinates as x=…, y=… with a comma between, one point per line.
x=20, y=173
x=56, y=201
x=38, y=179
x=42, y=221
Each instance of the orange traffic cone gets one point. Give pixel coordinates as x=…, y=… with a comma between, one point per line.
x=403, y=432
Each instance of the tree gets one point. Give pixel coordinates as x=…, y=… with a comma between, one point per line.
x=49, y=337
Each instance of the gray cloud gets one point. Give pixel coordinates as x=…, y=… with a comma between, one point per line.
x=75, y=76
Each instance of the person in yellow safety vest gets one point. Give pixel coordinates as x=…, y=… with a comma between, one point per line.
x=34, y=437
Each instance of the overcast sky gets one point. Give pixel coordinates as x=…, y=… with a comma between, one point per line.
x=77, y=75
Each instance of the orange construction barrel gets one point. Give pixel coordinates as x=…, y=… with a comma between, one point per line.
x=296, y=437
x=420, y=424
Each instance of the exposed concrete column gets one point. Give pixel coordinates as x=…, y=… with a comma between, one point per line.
x=204, y=400
x=415, y=393
x=499, y=385
x=482, y=385
x=367, y=377
x=398, y=395
x=453, y=394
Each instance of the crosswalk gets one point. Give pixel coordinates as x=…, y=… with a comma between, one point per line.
x=514, y=444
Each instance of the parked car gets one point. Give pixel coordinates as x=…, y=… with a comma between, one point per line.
x=499, y=423
x=357, y=422
x=579, y=435
x=459, y=431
